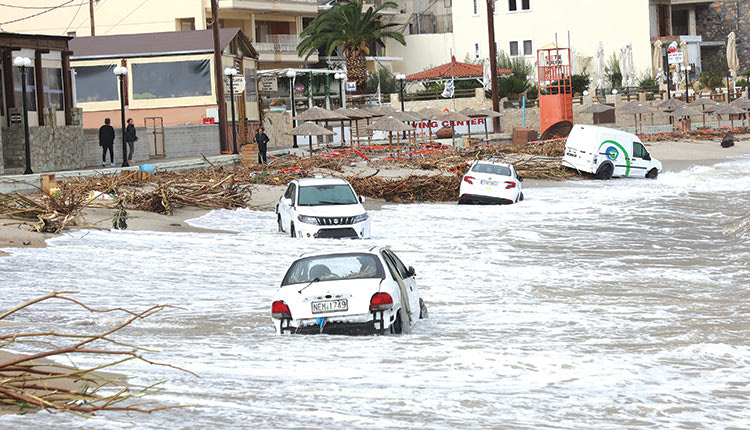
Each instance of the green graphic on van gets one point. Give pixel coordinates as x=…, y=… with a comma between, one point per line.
x=612, y=153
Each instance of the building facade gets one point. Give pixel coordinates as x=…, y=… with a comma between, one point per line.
x=273, y=26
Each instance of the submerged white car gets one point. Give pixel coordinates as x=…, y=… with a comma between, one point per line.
x=360, y=292
x=490, y=183
x=322, y=207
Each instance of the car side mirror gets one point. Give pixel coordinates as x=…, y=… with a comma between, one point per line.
x=410, y=272
x=361, y=199
x=520, y=179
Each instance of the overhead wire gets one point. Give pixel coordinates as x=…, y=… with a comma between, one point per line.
x=74, y=16
x=126, y=16
x=38, y=13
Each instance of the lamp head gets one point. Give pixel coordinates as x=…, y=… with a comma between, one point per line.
x=400, y=76
x=230, y=71
x=120, y=71
x=22, y=62
x=291, y=74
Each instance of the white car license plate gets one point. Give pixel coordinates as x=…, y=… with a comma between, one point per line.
x=489, y=183
x=330, y=306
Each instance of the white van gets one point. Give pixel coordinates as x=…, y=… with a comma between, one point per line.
x=607, y=153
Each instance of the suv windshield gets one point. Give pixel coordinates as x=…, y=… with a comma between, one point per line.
x=334, y=267
x=316, y=195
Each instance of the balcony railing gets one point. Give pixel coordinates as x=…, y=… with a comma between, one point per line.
x=278, y=43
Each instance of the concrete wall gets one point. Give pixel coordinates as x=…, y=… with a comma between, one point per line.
x=179, y=141
x=51, y=148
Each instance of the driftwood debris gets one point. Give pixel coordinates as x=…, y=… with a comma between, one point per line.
x=27, y=381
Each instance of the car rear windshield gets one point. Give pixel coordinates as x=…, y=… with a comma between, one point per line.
x=317, y=195
x=334, y=267
x=491, y=168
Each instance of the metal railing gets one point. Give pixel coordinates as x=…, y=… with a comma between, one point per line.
x=437, y=95
x=278, y=43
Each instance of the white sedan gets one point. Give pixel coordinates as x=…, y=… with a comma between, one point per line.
x=362, y=292
x=490, y=182
x=322, y=207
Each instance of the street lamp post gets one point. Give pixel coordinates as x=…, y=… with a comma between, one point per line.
x=23, y=63
x=686, y=71
x=232, y=72
x=400, y=77
x=340, y=77
x=120, y=72
x=291, y=74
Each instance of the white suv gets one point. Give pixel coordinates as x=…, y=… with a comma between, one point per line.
x=322, y=207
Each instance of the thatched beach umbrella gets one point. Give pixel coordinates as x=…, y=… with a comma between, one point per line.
x=728, y=109
x=683, y=111
x=637, y=109
x=488, y=113
x=742, y=103
x=471, y=113
x=670, y=104
x=405, y=117
x=453, y=117
x=597, y=108
x=433, y=114
x=310, y=129
x=390, y=124
x=319, y=114
x=702, y=103
x=354, y=116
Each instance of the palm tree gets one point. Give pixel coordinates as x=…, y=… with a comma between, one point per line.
x=345, y=25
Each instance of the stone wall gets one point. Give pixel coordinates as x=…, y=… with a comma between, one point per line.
x=51, y=149
x=715, y=21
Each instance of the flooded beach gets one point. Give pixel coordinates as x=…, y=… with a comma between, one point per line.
x=615, y=304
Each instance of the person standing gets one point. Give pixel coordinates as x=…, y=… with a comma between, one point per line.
x=130, y=137
x=262, y=140
x=107, y=142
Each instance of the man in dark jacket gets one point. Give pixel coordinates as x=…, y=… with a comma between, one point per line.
x=107, y=142
x=262, y=140
x=130, y=137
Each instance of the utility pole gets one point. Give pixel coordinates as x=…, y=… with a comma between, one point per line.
x=493, y=62
x=219, y=77
x=91, y=14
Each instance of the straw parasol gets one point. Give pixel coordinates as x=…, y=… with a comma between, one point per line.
x=597, y=108
x=406, y=117
x=390, y=124
x=728, y=109
x=432, y=114
x=683, y=111
x=354, y=116
x=670, y=104
x=310, y=129
x=489, y=113
x=637, y=109
x=319, y=114
x=742, y=103
x=453, y=116
x=702, y=103
x=471, y=113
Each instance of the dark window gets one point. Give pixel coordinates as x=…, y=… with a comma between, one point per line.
x=514, y=49
x=2, y=96
x=512, y=5
x=639, y=151
x=30, y=88
x=289, y=194
x=53, y=88
x=171, y=80
x=96, y=83
x=400, y=267
x=526, y=4
x=527, y=47
x=185, y=24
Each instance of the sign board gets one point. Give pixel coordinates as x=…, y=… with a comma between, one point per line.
x=208, y=120
x=268, y=84
x=672, y=68
x=239, y=84
x=15, y=118
x=675, y=57
x=299, y=88
x=351, y=86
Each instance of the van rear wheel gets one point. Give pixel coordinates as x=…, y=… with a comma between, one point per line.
x=652, y=174
x=604, y=171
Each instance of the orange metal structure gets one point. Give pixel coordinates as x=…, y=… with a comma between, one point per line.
x=555, y=92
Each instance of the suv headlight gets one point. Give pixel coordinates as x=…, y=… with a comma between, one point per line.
x=308, y=219
x=361, y=217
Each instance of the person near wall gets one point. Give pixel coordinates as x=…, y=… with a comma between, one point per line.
x=130, y=137
x=107, y=142
x=261, y=139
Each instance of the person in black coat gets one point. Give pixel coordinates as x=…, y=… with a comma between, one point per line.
x=130, y=137
x=261, y=139
x=107, y=142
